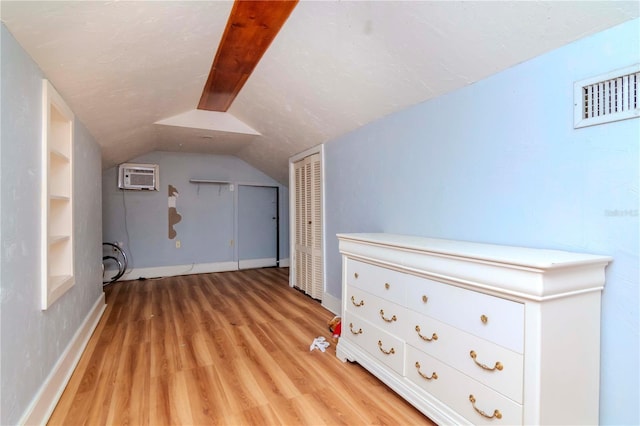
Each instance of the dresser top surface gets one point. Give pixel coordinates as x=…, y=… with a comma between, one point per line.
x=522, y=256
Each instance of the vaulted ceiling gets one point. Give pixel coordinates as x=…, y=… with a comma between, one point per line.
x=122, y=66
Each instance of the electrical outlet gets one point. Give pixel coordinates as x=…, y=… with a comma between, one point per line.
x=178, y=244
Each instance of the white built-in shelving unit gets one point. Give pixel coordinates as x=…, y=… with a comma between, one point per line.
x=57, y=196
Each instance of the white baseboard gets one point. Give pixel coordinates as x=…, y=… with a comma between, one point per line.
x=198, y=268
x=175, y=270
x=332, y=303
x=257, y=263
x=45, y=401
x=284, y=263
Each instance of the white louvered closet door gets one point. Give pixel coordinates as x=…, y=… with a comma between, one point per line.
x=308, y=220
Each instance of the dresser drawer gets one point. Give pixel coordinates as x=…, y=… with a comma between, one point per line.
x=493, y=365
x=387, y=315
x=492, y=318
x=457, y=390
x=385, y=347
x=385, y=283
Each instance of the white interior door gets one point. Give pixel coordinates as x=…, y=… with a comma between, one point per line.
x=257, y=226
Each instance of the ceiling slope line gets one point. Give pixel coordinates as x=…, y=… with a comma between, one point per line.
x=251, y=28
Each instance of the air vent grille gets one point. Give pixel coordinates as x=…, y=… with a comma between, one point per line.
x=610, y=97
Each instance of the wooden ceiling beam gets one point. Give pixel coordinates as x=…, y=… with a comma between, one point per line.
x=251, y=28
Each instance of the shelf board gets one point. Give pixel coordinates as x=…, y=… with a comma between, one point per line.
x=219, y=182
x=56, y=152
x=53, y=239
x=56, y=281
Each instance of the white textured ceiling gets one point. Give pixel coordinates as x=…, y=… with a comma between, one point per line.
x=124, y=65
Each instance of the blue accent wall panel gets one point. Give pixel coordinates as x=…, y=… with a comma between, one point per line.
x=500, y=162
x=32, y=340
x=207, y=229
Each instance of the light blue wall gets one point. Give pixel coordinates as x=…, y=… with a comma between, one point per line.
x=500, y=162
x=33, y=340
x=208, y=211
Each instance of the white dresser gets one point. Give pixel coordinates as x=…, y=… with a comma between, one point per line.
x=474, y=333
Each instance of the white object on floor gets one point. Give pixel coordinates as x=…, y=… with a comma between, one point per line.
x=320, y=343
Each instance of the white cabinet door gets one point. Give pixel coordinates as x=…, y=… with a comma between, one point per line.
x=308, y=225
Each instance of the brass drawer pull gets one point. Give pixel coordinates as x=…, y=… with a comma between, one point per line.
x=498, y=365
x=425, y=299
x=484, y=319
x=358, y=304
x=496, y=413
x=389, y=352
x=354, y=332
x=425, y=338
x=433, y=376
x=355, y=275
x=387, y=286
x=392, y=319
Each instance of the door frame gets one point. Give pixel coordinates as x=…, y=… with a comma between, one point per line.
x=237, y=219
x=318, y=149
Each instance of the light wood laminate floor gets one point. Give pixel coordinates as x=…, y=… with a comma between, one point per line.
x=225, y=348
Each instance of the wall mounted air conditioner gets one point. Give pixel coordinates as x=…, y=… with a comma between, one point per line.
x=138, y=176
